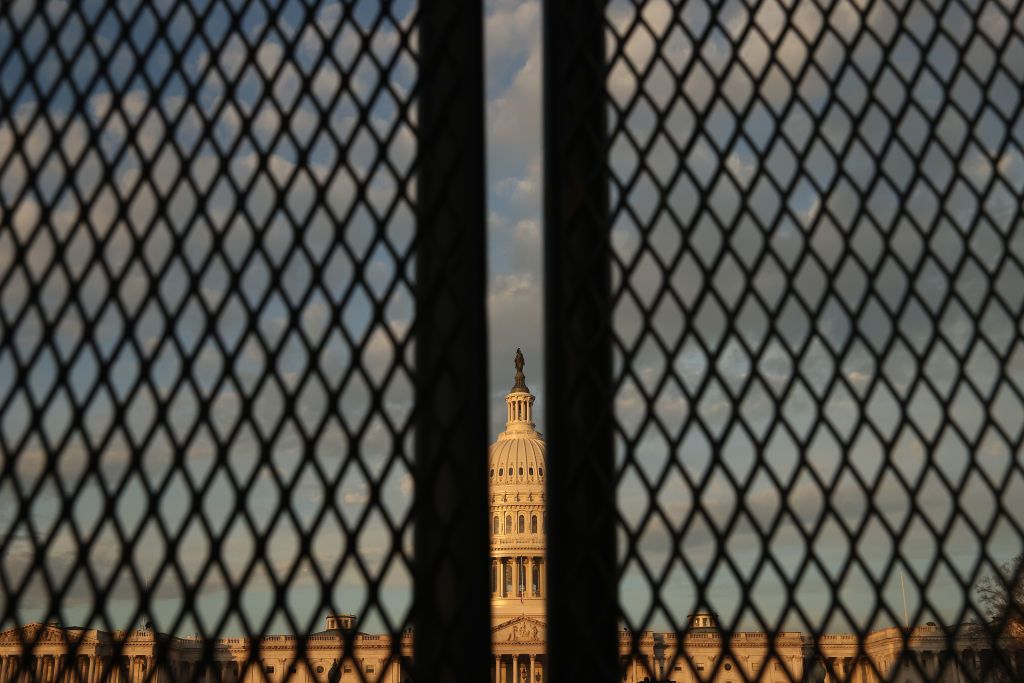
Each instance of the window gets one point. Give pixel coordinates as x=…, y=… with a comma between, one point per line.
x=369, y=667
x=533, y=524
x=268, y=669
x=501, y=471
x=522, y=524
x=531, y=471
x=520, y=471
x=698, y=667
x=508, y=524
x=348, y=668
x=491, y=475
x=319, y=669
x=540, y=471
x=755, y=667
x=496, y=526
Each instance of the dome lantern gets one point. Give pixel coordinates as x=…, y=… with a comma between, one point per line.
x=519, y=402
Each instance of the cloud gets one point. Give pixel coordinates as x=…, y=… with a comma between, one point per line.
x=514, y=120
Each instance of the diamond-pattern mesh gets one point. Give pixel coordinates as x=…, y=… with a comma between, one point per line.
x=818, y=282
x=206, y=304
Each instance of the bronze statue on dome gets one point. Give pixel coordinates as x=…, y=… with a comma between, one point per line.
x=520, y=362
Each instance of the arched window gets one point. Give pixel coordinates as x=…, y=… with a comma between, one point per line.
x=540, y=471
x=522, y=524
x=496, y=525
x=520, y=471
x=491, y=475
x=533, y=525
x=531, y=471
x=501, y=471
x=508, y=524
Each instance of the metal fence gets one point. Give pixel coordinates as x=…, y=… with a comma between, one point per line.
x=242, y=277
x=812, y=212
x=218, y=249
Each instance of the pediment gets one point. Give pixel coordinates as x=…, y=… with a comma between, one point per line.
x=519, y=630
x=33, y=633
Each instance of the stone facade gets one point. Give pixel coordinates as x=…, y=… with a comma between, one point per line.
x=518, y=579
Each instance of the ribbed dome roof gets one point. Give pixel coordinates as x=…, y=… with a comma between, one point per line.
x=517, y=459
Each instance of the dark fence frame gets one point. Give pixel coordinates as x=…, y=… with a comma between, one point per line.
x=583, y=582
x=452, y=539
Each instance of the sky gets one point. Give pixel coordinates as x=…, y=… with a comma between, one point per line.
x=748, y=237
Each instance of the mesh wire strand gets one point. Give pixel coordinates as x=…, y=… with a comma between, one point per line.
x=818, y=280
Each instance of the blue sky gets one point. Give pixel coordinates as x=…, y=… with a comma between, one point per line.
x=114, y=137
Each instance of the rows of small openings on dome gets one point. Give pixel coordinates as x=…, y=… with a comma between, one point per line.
x=512, y=472
x=510, y=527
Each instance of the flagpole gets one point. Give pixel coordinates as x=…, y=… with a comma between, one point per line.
x=903, y=592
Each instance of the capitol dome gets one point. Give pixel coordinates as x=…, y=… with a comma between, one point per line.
x=516, y=463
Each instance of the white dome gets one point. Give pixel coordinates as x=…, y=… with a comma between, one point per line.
x=516, y=460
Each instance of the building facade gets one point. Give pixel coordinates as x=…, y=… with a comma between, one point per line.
x=516, y=464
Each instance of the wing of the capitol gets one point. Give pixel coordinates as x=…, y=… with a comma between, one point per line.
x=518, y=578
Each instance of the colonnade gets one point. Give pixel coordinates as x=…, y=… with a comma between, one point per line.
x=59, y=668
x=528, y=572
x=518, y=668
x=135, y=669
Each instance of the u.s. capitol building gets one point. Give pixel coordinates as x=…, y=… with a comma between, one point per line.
x=518, y=579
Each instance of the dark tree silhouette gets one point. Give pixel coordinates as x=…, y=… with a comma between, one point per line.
x=1002, y=596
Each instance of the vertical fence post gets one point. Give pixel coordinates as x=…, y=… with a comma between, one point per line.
x=451, y=613
x=581, y=492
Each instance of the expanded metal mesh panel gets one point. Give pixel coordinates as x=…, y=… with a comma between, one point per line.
x=818, y=281
x=206, y=359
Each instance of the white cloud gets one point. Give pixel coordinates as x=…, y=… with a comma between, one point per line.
x=514, y=121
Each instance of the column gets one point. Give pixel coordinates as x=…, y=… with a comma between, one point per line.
x=501, y=670
x=532, y=660
x=497, y=666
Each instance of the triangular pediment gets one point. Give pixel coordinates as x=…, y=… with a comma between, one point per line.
x=33, y=633
x=519, y=630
